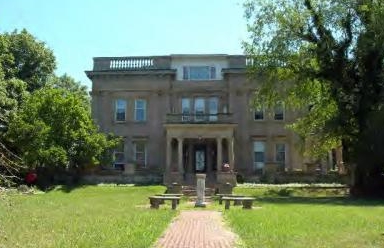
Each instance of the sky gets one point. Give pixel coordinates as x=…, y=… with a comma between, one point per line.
x=78, y=30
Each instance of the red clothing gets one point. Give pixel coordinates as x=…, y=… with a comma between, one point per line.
x=30, y=177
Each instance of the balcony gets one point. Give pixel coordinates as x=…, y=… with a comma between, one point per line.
x=220, y=118
x=135, y=63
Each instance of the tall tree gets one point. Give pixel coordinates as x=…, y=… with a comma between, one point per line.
x=24, y=57
x=12, y=94
x=326, y=56
x=54, y=128
x=67, y=82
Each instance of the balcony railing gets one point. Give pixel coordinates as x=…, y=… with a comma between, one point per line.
x=131, y=63
x=155, y=63
x=199, y=118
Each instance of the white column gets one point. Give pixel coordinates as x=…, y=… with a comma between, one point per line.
x=190, y=158
x=168, y=155
x=219, y=154
x=209, y=159
x=231, y=155
x=180, y=154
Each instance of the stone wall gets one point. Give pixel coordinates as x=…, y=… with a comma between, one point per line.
x=138, y=178
x=298, y=177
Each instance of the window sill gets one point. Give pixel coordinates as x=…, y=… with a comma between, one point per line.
x=130, y=122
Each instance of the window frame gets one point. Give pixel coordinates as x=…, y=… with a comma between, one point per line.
x=186, y=116
x=117, y=109
x=277, y=152
x=211, y=69
x=255, y=166
x=201, y=116
x=144, y=143
x=144, y=109
x=262, y=110
x=119, y=165
x=283, y=112
x=213, y=113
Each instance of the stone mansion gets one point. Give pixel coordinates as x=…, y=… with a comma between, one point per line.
x=184, y=114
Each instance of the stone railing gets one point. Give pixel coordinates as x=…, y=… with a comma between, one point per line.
x=131, y=63
x=199, y=118
x=155, y=62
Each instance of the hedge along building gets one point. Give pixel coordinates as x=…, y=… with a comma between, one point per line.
x=184, y=114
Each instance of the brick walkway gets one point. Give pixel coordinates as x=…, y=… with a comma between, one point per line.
x=197, y=229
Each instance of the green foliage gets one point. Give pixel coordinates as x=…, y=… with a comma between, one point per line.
x=22, y=56
x=70, y=84
x=324, y=55
x=12, y=93
x=54, y=128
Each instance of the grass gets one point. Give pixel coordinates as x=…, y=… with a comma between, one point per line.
x=112, y=216
x=86, y=217
x=305, y=218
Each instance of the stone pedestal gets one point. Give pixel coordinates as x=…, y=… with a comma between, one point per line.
x=225, y=188
x=174, y=188
x=200, y=190
x=226, y=177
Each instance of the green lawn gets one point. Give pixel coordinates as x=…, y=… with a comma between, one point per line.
x=314, y=220
x=85, y=217
x=119, y=217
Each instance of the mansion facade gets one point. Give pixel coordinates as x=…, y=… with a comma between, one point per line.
x=179, y=115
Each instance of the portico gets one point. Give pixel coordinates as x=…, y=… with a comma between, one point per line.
x=198, y=148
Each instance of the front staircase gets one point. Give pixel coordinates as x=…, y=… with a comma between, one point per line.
x=191, y=191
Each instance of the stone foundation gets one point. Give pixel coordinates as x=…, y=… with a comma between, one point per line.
x=138, y=178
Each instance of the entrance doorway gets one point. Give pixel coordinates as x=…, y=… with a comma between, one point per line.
x=200, y=159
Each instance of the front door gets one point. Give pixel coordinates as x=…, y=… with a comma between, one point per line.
x=200, y=160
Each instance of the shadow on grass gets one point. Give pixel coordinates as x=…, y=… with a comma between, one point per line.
x=333, y=200
x=68, y=188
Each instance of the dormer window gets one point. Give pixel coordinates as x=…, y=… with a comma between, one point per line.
x=199, y=72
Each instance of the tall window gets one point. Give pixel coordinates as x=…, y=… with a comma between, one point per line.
x=140, y=109
x=199, y=109
x=213, y=103
x=186, y=108
x=120, y=109
x=199, y=72
x=259, y=154
x=279, y=112
x=280, y=154
x=140, y=153
x=118, y=157
x=258, y=114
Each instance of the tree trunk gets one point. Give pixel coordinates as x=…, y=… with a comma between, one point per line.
x=367, y=181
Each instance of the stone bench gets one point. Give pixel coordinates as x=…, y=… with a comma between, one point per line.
x=246, y=201
x=229, y=195
x=170, y=195
x=155, y=201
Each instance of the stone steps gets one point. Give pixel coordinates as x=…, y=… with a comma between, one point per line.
x=191, y=191
x=207, y=198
